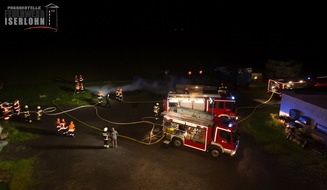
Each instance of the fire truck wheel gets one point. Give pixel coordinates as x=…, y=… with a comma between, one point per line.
x=215, y=152
x=177, y=142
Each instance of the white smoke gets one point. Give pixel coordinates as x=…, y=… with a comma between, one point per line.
x=141, y=84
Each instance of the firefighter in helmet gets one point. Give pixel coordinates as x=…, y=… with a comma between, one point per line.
x=39, y=113
x=120, y=96
x=81, y=87
x=62, y=127
x=117, y=94
x=81, y=79
x=58, y=123
x=71, y=129
x=106, y=137
x=100, y=96
x=6, y=110
x=76, y=79
x=77, y=87
x=27, y=115
x=156, y=110
x=81, y=84
x=17, y=107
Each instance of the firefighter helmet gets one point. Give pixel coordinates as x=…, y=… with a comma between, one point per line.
x=157, y=104
x=105, y=129
x=26, y=106
x=38, y=107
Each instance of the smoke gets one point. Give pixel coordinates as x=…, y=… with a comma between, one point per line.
x=142, y=84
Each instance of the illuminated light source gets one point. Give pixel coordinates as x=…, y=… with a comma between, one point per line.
x=190, y=72
x=232, y=97
x=230, y=125
x=200, y=72
x=210, y=100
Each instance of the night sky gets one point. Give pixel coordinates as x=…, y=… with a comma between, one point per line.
x=163, y=34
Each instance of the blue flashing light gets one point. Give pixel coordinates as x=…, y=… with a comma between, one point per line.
x=232, y=97
x=230, y=125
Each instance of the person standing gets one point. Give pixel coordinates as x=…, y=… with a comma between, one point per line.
x=27, y=115
x=105, y=135
x=77, y=87
x=71, y=129
x=58, y=123
x=156, y=110
x=17, y=107
x=62, y=127
x=100, y=96
x=81, y=83
x=39, y=113
x=114, y=135
x=108, y=100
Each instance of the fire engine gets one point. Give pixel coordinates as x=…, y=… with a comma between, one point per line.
x=277, y=85
x=215, y=104
x=200, y=130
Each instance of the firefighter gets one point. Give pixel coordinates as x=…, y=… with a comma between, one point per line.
x=120, y=95
x=71, y=129
x=58, y=123
x=156, y=110
x=77, y=87
x=108, y=100
x=81, y=79
x=117, y=94
x=62, y=127
x=186, y=91
x=16, y=107
x=76, y=79
x=6, y=110
x=100, y=96
x=106, y=137
x=39, y=113
x=81, y=87
x=27, y=115
x=81, y=83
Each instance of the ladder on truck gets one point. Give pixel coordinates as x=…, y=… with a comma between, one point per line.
x=191, y=115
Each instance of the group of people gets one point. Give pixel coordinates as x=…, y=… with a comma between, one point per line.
x=14, y=109
x=27, y=114
x=110, y=136
x=100, y=98
x=65, y=129
x=79, y=84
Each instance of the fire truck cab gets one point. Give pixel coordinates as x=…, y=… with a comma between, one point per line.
x=200, y=130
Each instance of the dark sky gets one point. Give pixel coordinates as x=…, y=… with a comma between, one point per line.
x=247, y=34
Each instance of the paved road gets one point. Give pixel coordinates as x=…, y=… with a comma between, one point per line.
x=82, y=162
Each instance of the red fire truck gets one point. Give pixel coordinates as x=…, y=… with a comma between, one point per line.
x=278, y=85
x=215, y=104
x=200, y=130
